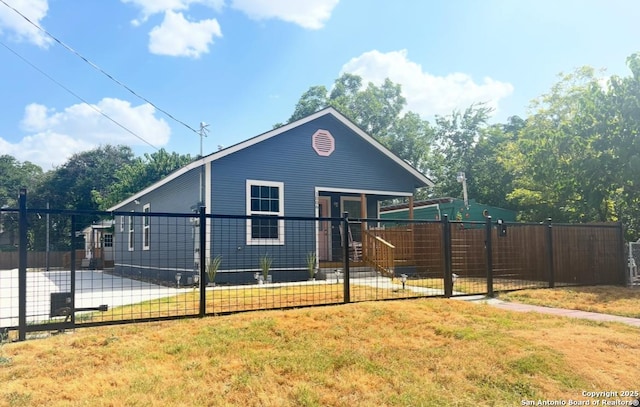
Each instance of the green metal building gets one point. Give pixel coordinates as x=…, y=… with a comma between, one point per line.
x=435, y=209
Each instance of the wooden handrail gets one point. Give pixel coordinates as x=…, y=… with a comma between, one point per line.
x=378, y=253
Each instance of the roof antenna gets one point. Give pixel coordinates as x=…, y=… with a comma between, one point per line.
x=203, y=133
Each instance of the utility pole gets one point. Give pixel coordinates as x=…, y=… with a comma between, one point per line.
x=463, y=179
x=203, y=133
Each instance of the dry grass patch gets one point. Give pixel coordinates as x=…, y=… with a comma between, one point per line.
x=475, y=285
x=246, y=298
x=399, y=353
x=623, y=301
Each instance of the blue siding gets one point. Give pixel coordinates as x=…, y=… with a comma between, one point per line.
x=288, y=158
x=171, y=238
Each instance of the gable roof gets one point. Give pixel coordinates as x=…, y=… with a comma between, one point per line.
x=265, y=136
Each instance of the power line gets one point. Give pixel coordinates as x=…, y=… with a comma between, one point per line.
x=96, y=67
x=75, y=94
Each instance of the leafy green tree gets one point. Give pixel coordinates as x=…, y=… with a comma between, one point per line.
x=456, y=138
x=13, y=176
x=74, y=186
x=618, y=123
x=563, y=171
x=85, y=176
x=140, y=173
x=490, y=179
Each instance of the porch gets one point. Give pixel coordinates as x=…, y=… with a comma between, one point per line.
x=388, y=250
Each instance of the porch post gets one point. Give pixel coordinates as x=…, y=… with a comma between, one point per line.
x=411, y=207
x=363, y=211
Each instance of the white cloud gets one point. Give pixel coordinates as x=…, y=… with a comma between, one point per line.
x=17, y=27
x=311, y=14
x=151, y=7
x=56, y=136
x=178, y=37
x=427, y=94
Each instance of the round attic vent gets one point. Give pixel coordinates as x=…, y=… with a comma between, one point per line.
x=323, y=143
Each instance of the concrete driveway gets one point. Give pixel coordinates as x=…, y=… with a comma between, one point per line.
x=93, y=288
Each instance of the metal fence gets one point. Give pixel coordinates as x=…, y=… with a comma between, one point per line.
x=66, y=269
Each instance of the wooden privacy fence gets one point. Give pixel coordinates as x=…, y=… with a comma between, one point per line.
x=10, y=260
x=581, y=254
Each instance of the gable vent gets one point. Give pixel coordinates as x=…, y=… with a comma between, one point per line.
x=323, y=143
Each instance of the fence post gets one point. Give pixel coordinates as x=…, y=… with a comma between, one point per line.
x=203, y=258
x=345, y=239
x=552, y=282
x=72, y=280
x=448, y=273
x=489, y=249
x=22, y=266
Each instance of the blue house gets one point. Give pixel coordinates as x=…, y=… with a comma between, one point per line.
x=319, y=166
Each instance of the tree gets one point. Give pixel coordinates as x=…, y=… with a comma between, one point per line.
x=490, y=179
x=84, y=177
x=140, y=173
x=562, y=170
x=13, y=176
x=619, y=125
x=575, y=158
x=456, y=138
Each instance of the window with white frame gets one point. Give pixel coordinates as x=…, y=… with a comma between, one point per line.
x=131, y=233
x=122, y=223
x=146, y=227
x=108, y=240
x=265, y=202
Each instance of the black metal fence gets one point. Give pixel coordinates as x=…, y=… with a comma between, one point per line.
x=66, y=269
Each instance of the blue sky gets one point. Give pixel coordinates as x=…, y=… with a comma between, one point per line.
x=241, y=65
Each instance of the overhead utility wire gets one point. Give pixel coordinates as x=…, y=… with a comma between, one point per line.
x=96, y=67
x=76, y=95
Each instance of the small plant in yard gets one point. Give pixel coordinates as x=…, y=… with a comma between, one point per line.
x=212, y=268
x=265, y=265
x=4, y=337
x=311, y=264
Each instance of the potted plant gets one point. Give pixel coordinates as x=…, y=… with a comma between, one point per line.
x=213, y=264
x=311, y=265
x=265, y=265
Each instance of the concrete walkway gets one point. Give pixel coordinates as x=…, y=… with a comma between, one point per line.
x=518, y=307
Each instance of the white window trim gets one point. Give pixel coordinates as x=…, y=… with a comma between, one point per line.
x=104, y=240
x=131, y=234
x=146, y=227
x=122, y=223
x=280, y=239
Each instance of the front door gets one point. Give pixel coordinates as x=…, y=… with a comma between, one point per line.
x=324, y=235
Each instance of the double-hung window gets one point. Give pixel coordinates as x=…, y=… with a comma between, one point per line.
x=145, y=227
x=265, y=202
x=131, y=233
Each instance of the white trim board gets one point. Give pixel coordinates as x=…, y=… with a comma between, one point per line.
x=361, y=191
x=265, y=136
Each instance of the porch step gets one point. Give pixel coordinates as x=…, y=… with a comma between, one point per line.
x=354, y=272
